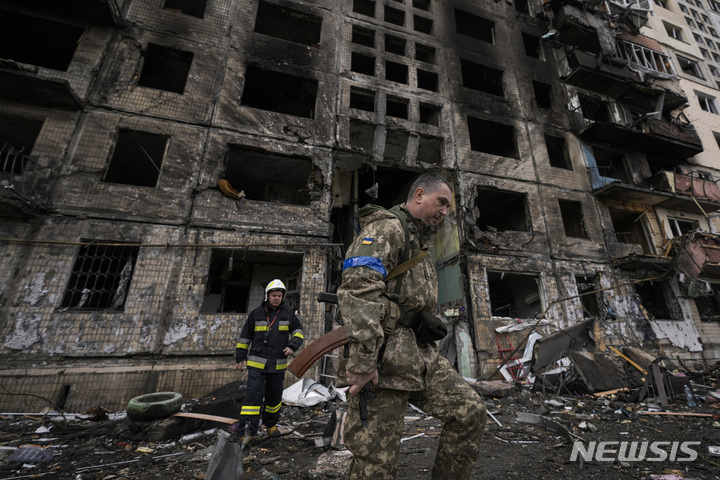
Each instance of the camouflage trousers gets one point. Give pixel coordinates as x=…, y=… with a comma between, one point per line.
x=447, y=397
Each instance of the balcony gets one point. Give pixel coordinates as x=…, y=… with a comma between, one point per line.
x=92, y=11
x=24, y=85
x=646, y=134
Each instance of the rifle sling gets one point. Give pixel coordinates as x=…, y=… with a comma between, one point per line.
x=405, y=266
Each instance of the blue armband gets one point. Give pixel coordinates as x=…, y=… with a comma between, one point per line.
x=370, y=262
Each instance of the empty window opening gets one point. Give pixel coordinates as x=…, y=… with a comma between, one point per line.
x=364, y=64
x=362, y=99
x=424, y=53
x=522, y=6
x=572, y=217
x=396, y=145
x=610, y=163
x=395, y=45
x=396, y=72
x=62, y=397
x=393, y=186
x=474, y=26
x=588, y=291
x=236, y=279
x=279, y=92
x=691, y=67
x=501, y=210
x=361, y=135
x=422, y=24
x=513, y=295
x=430, y=150
x=658, y=300
x=40, y=42
x=396, y=107
x=558, y=154
x=628, y=228
x=270, y=177
x=288, y=24
x=708, y=304
x=195, y=8
x=482, y=78
x=100, y=277
x=421, y=5
x=429, y=114
x=427, y=80
x=17, y=139
x=493, y=138
x=165, y=68
x=363, y=36
x=137, y=158
x=594, y=109
x=681, y=226
x=364, y=7
x=532, y=45
x=394, y=16
x=543, y=94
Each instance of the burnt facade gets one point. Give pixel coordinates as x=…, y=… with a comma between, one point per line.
x=165, y=159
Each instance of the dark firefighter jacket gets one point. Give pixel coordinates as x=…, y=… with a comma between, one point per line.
x=262, y=347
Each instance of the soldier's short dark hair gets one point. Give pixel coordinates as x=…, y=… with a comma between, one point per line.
x=430, y=182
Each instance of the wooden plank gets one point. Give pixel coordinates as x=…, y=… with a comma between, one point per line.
x=660, y=384
x=203, y=416
x=683, y=414
x=610, y=392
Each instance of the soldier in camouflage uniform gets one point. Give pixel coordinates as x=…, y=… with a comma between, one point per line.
x=388, y=348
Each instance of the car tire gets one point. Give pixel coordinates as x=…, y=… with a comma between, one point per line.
x=154, y=405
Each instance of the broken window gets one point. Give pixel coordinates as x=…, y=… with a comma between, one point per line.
x=100, y=277
x=424, y=53
x=610, y=163
x=474, y=26
x=501, y=210
x=572, y=217
x=269, y=176
x=427, y=80
x=673, y=31
x=396, y=72
x=396, y=107
x=237, y=278
x=658, y=299
x=430, y=150
x=17, y=139
x=482, y=78
x=628, y=228
x=364, y=64
x=513, y=295
x=707, y=103
x=708, y=304
x=396, y=145
x=363, y=36
x=543, y=91
x=533, y=46
x=395, y=44
x=588, y=291
x=594, y=109
x=362, y=99
x=37, y=41
x=681, y=226
x=364, y=7
x=492, y=137
x=165, y=68
x=522, y=6
x=421, y=5
x=137, y=158
x=558, y=154
x=422, y=24
x=645, y=57
x=394, y=16
x=195, y=8
x=361, y=135
x=429, y=114
x=279, y=92
x=691, y=67
x=288, y=24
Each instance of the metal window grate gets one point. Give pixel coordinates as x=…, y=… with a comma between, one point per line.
x=655, y=298
x=12, y=160
x=100, y=277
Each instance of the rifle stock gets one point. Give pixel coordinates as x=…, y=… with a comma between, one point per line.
x=316, y=349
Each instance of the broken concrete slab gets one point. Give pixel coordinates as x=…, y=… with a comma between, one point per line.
x=550, y=348
x=494, y=388
x=598, y=372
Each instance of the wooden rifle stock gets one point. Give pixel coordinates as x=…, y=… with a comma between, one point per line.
x=316, y=349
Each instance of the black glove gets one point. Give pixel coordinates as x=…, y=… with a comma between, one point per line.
x=431, y=328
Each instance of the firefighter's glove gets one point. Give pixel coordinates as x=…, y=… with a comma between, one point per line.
x=431, y=328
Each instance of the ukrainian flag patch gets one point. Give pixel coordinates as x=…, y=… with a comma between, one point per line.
x=367, y=241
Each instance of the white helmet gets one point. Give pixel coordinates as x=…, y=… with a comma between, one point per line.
x=275, y=285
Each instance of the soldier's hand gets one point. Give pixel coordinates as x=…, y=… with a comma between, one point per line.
x=358, y=380
x=240, y=366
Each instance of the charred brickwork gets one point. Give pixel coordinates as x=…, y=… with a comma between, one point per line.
x=167, y=158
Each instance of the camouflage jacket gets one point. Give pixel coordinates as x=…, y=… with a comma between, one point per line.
x=363, y=302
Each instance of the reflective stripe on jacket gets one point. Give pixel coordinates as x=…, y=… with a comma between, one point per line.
x=261, y=347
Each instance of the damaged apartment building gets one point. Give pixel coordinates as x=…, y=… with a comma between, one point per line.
x=163, y=160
